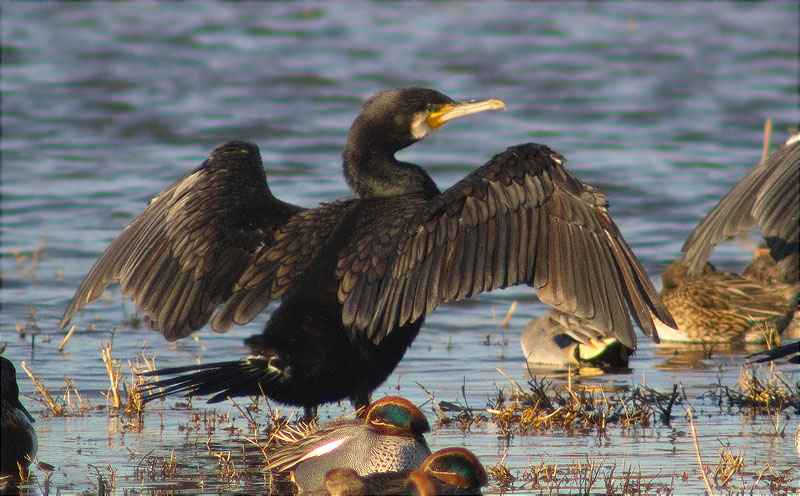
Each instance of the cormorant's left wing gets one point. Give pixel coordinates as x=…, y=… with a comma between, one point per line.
x=520, y=218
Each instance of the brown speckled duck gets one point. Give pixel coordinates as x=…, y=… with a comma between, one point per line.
x=388, y=439
x=717, y=306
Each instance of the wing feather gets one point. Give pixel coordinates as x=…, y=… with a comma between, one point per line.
x=521, y=218
x=295, y=246
x=768, y=197
x=191, y=242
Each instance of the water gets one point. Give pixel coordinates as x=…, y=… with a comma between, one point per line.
x=661, y=106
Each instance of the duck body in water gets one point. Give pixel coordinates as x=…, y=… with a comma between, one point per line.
x=558, y=340
x=357, y=277
x=19, y=440
x=720, y=307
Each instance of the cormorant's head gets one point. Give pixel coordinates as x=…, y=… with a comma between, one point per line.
x=395, y=119
x=390, y=121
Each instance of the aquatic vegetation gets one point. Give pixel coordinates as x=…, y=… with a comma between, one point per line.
x=760, y=391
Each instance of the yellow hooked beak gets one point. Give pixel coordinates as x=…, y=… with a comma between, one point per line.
x=438, y=114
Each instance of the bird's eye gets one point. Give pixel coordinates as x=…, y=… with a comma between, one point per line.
x=432, y=107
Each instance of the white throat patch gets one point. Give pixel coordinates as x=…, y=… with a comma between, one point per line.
x=420, y=127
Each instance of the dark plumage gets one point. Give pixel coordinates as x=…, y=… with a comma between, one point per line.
x=357, y=277
x=790, y=350
x=19, y=440
x=767, y=197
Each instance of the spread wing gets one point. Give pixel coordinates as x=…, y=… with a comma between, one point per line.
x=182, y=255
x=769, y=197
x=520, y=218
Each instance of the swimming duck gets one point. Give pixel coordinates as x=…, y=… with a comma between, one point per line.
x=716, y=306
x=454, y=471
x=19, y=440
x=389, y=438
x=557, y=339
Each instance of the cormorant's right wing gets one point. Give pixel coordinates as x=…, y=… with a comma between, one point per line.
x=182, y=255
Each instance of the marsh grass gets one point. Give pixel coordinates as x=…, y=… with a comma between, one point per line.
x=27, y=261
x=545, y=406
x=591, y=477
x=760, y=391
x=234, y=448
x=228, y=450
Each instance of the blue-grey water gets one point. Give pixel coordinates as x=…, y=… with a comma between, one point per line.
x=660, y=105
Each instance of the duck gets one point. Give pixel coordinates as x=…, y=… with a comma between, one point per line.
x=557, y=339
x=20, y=442
x=388, y=438
x=356, y=277
x=450, y=471
x=714, y=306
x=721, y=307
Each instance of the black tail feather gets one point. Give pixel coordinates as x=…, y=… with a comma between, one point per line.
x=222, y=379
x=791, y=350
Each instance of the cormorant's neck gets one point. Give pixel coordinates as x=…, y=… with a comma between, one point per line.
x=372, y=171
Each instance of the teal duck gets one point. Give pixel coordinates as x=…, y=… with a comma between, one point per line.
x=356, y=278
x=557, y=339
x=388, y=439
x=716, y=306
x=453, y=471
x=767, y=197
x=19, y=440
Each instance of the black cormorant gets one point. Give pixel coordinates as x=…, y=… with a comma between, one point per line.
x=357, y=277
x=767, y=197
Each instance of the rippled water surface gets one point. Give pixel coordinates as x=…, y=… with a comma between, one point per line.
x=661, y=106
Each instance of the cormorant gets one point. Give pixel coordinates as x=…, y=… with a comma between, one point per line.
x=767, y=197
x=357, y=277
